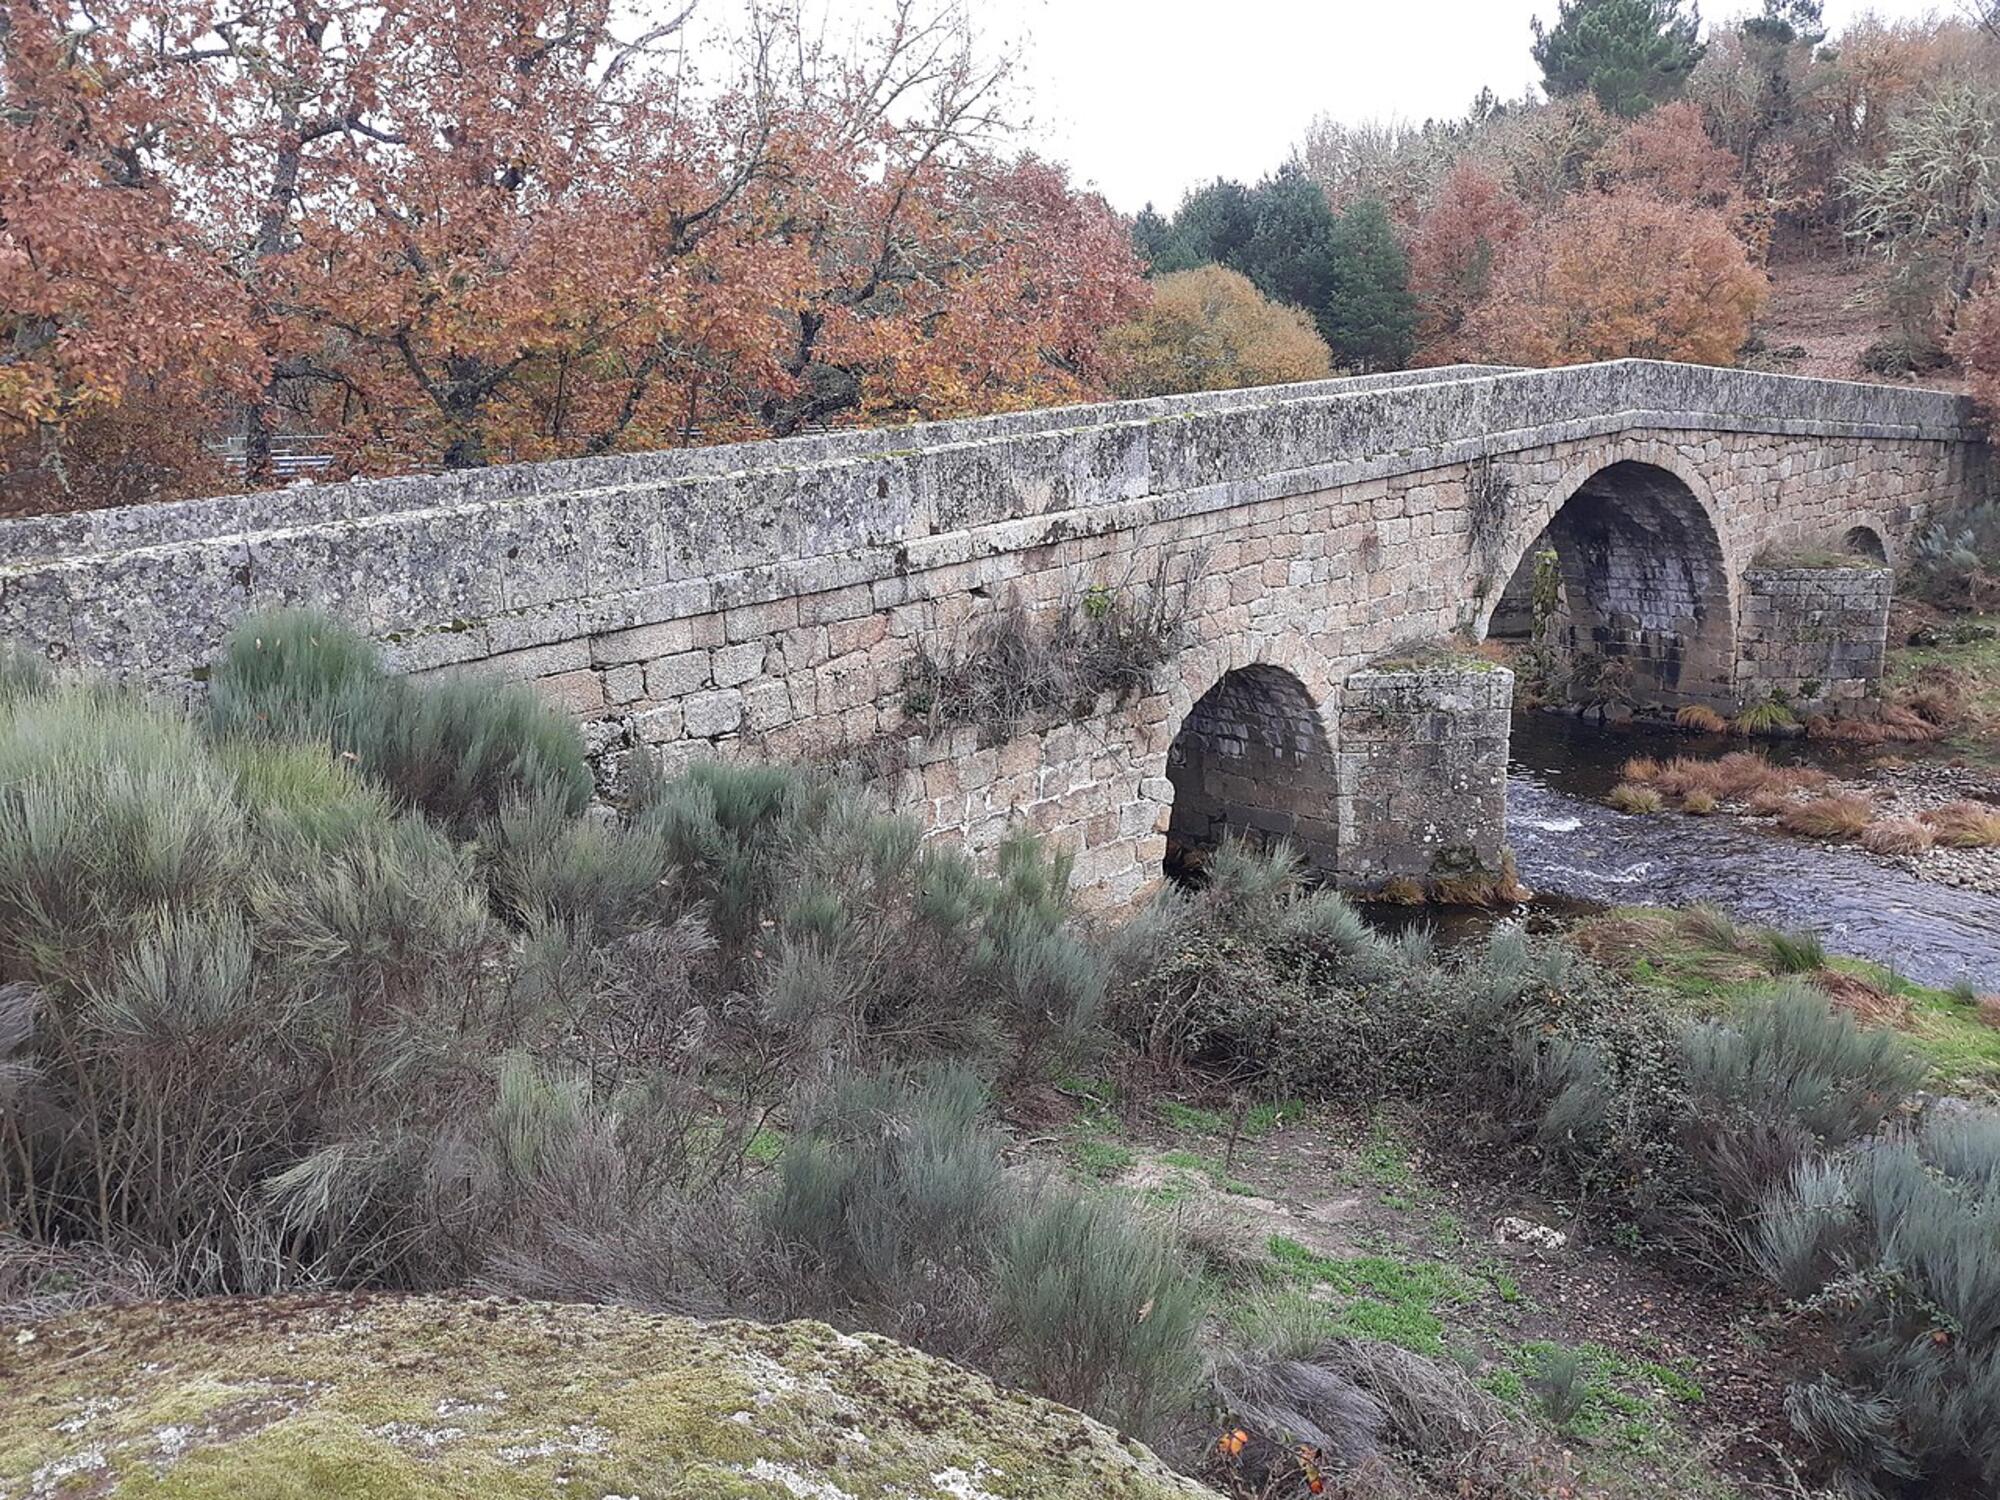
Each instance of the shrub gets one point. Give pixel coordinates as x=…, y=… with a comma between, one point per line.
x=1100, y=1311
x=1954, y=562
x=1890, y=1249
x=1629, y=798
x=1698, y=718
x=1842, y=817
x=1897, y=836
x=453, y=751
x=1787, y=1077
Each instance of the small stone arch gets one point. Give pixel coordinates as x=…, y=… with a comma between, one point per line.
x=1252, y=758
x=1645, y=585
x=1866, y=541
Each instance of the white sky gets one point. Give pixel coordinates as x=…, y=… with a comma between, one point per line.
x=1148, y=98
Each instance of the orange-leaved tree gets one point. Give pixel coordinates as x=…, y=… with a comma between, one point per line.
x=1621, y=275
x=1209, y=329
x=470, y=231
x=1977, y=347
x=1453, y=251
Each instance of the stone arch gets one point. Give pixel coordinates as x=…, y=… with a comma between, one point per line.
x=1253, y=758
x=1646, y=587
x=1866, y=541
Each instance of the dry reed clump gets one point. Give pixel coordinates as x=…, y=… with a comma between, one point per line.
x=1768, y=803
x=1629, y=797
x=1867, y=1003
x=1828, y=817
x=1684, y=775
x=1921, y=720
x=1989, y=1011
x=1641, y=770
x=1698, y=803
x=1400, y=890
x=1965, y=825
x=1698, y=718
x=1896, y=836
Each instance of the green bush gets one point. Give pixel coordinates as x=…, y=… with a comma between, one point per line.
x=1891, y=1249
x=1100, y=1310
x=1956, y=561
x=453, y=751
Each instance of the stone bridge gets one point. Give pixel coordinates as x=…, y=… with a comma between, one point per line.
x=772, y=598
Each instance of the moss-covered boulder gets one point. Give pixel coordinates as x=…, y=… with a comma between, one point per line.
x=391, y=1398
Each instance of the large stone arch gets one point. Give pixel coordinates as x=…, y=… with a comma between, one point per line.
x=1253, y=757
x=1647, y=583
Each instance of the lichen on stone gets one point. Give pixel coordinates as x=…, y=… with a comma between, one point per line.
x=387, y=1398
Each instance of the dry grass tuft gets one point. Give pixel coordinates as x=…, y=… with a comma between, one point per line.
x=1622, y=940
x=1701, y=719
x=1828, y=817
x=1698, y=803
x=1989, y=1011
x=1629, y=797
x=1896, y=836
x=1768, y=803
x=1865, y=1002
x=1965, y=825
x=1400, y=890
x=1642, y=770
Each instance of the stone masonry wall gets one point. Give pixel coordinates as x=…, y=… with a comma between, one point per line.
x=1423, y=771
x=764, y=600
x=1816, y=636
x=1252, y=760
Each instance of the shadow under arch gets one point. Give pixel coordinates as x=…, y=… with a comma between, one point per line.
x=1866, y=541
x=1252, y=759
x=1638, y=600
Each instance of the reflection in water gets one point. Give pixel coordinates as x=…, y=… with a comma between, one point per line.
x=1568, y=844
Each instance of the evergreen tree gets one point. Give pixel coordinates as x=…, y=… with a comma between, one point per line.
x=1212, y=228
x=1289, y=255
x=1150, y=236
x=1372, y=320
x=1632, y=54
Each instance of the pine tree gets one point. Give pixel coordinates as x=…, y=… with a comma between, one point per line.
x=1151, y=235
x=1212, y=227
x=1372, y=320
x=1289, y=255
x=1632, y=54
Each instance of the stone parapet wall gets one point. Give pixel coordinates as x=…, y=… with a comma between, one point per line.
x=1813, y=637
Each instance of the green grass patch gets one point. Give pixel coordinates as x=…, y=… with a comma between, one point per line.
x=1102, y=1158
x=765, y=1147
x=1192, y=1121
x=1261, y=1119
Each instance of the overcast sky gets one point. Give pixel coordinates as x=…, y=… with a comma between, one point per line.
x=1147, y=98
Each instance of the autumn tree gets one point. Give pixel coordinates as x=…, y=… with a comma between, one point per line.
x=1977, y=348
x=1621, y=275
x=1452, y=256
x=121, y=334
x=1670, y=154
x=1372, y=321
x=1210, y=329
x=1631, y=54
x=467, y=231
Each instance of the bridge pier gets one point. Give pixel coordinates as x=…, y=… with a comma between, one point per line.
x=1423, y=785
x=1814, y=638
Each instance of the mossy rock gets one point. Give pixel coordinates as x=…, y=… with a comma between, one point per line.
x=429, y=1398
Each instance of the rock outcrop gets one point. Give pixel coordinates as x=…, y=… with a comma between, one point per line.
x=383, y=1398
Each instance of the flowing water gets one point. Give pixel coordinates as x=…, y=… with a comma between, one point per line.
x=1570, y=845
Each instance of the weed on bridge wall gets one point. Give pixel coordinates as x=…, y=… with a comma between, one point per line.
x=1015, y=668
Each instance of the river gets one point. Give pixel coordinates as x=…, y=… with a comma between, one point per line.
x=1568, y=844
